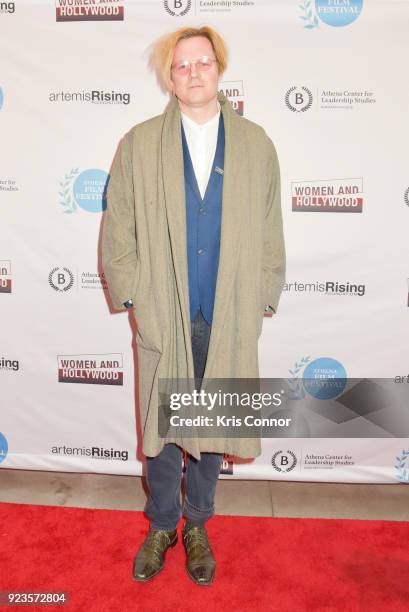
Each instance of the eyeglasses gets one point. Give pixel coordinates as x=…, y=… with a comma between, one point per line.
x=203, y=64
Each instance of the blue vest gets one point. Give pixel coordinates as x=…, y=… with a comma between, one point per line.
x=203, y=227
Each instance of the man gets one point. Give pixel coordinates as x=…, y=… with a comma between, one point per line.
x=193, y=241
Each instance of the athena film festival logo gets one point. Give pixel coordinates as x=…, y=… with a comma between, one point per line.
x=5, y=276
x=86, y=10
x=234, y=92
x=4, y=447
x=344, y=195
x=402, y=466
x=61, y=279
x=298, y=99
x=84, y=191
x=323, y=378
x=91, y=369
x=335, y=13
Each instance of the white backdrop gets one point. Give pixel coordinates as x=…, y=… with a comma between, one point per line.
x=326, y=79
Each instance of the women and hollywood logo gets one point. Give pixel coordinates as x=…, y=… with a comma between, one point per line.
x=5, y=276
x=84, y=10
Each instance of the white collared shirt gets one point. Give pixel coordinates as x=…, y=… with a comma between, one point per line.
x=202, y=142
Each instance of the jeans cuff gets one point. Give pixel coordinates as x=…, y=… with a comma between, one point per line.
x=197, y=514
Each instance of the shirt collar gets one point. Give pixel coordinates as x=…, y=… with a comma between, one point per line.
x=187, y=121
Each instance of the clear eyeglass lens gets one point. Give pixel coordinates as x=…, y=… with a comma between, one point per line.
x=204, y=63
x=182, y=66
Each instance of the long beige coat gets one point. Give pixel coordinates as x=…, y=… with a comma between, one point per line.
x=144, y=257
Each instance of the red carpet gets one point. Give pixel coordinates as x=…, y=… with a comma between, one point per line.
x=288, y=565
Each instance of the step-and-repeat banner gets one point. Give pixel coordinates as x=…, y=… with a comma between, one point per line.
x=327, y=80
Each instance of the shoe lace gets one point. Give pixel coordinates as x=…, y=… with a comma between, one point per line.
x=197, y=536
x=156, y=542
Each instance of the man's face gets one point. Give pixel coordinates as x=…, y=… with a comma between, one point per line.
x=196, y=88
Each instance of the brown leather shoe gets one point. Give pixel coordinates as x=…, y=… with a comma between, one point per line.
x=201, y=564
x=150, y=558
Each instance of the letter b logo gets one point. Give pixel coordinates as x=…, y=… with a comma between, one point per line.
x=298, y=99
x=61, y=279
x=284, y=461
x=177, y=8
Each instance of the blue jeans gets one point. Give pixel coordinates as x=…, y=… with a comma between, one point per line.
x=164, y=472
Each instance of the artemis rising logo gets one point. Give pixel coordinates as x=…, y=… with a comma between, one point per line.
x=95, y=452
x=95, y=96
x=9, y=364
x=7, y=7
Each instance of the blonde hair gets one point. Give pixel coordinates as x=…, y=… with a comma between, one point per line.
x=163, y=50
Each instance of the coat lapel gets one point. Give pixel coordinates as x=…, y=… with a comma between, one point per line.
x=174, y=192
x=235, y=192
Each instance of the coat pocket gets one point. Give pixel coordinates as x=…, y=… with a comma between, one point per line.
x=260, y=315
x=148, y=332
